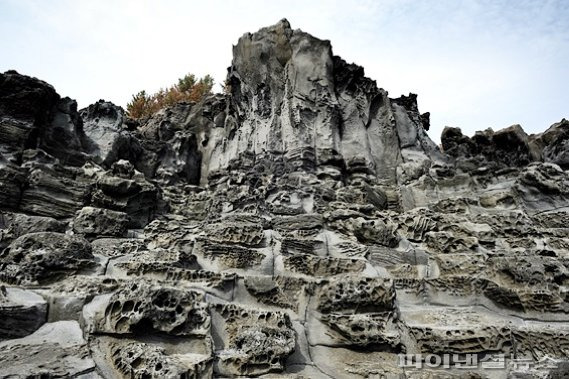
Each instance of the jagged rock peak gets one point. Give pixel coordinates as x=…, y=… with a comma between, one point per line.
x=509, y=147
x=289, y=94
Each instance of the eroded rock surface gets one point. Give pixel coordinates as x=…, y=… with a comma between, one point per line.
x=55, y=350
x=37, y=258
x=301, y=225
x=22, y=312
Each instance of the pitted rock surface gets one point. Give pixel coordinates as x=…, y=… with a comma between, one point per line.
x=301, y=225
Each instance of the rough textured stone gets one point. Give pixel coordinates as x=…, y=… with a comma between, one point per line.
x=140, y=359
x=40, y=257
x=14, y=225
x=554, y=144
x=33, y=115
x=20, y=224
x=140, y=307
x=252, y=342
x=302, y=224
x=55, y=350
x=125, y=190
x=21, y=312
x=100, y=222
x=54, y=190
x=12, y=179
x=170, y=145
x=506, y=147
x=106, y=136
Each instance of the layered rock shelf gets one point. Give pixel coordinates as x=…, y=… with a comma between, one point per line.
x=301, y=225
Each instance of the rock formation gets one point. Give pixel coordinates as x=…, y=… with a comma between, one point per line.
x=303, y=225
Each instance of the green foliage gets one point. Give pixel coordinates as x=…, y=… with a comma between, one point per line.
x=188, y=89
x=186, y=83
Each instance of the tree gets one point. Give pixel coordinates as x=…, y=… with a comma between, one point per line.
x=187, y=83
x=188, y=89
x=140, y=106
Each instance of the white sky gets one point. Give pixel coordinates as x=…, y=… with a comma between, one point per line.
x=474, y=64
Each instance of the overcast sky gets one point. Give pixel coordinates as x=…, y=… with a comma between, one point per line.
x=474, y=64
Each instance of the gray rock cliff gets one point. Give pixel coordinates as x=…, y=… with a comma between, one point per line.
x=301, y=225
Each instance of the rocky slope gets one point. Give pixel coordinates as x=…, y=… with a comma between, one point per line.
x=303, y=225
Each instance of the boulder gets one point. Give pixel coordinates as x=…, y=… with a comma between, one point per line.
x=91, y=221
x=141, y=307
x=21, y=312
x=33, y=115
x=12, y=180
x=55, y=190
x=20, y=224
x=107, y=138
x=55, y=350
x=124, y=190
x=26, y=104
x=42, y=257
x=508, y=147
x=170, y=140
x=554, y=144
x=543, y=187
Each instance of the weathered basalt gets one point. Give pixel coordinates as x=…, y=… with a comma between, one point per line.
x=21, y=312
x=141, y=307
x=100, y=222
x=37, y=258
x=302, y=224
x=55, y=350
